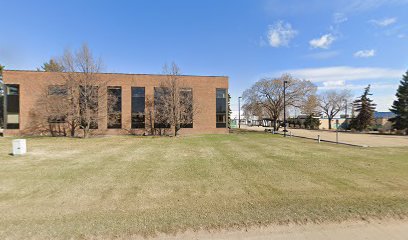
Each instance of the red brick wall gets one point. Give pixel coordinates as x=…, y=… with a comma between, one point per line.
x=32, y=85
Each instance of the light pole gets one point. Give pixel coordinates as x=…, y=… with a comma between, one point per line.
x=239, y=112
x=345, y=120
x=284, y=108
x=345, y=100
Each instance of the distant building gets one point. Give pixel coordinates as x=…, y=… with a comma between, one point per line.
x=382, y=121
x=336, y=123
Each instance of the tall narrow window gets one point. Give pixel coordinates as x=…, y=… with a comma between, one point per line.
x=57, y=94
x=114, y=107
x=186, y=108
x=221, y=108
x=13, y=106
x=57, y=109
x=138, y=107
x=161, y=107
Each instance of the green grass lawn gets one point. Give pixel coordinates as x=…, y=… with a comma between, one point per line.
x=121, y=186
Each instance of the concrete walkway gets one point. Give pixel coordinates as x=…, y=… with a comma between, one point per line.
x=370, y=140
x=390, y=230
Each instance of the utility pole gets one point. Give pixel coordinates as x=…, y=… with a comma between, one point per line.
x=239, y=112
x=345, y=100
x=284, y=108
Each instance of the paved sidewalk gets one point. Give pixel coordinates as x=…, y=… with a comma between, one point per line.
x=370, y=140
x=390, y=230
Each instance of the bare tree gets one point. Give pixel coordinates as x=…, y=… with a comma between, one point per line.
x=332, y=102
x=76, y=103
x=267, y=94
x=173, y=101
x=252, y=110
x=311, y=106
x=85, y=90
x=149, y=103
x=49, y=115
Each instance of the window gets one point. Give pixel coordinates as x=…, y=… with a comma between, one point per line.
x=221, y=108
x=56, y=119
x=161, y=108
x=186, y=108
x=57, y=90
x=138, y=107
x=114, y=107
x=13, y=106
x=13, y=89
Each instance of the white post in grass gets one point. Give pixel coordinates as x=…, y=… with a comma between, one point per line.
x=337, y=131
x=337, y=136
x=318, y=138
x=19, y=146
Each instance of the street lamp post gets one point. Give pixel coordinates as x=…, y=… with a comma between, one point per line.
x=345, y=117
x=284, y=108
x=239, y=112
x=345, y=100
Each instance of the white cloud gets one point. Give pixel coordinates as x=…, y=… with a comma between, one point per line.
x=323, y=42
x=345, y=73
x=280, y=34
x=365, y=53
x=384, y=103
x=383, y=93
x=339, y=83
x=384, y=22
x=365, y=5
x=323, y=55
x=374, y=86
x=339, y=18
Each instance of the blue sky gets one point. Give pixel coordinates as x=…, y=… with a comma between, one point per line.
x=336, y=44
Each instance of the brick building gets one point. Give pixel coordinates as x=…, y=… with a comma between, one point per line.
x=23, y=89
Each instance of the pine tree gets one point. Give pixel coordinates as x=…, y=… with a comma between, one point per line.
x=400, y=106
x=51, y=66
x=365, y=108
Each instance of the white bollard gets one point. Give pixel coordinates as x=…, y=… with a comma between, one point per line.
x=337, y=136
x=318, y=138
x=19, y=146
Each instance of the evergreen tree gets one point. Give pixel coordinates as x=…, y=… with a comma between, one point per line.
x=365, y=108
x=400, y=106
x=51, y=66
x=311, y=122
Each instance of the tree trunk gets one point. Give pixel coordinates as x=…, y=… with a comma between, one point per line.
x=330, y=125
x=86, y=130
x=151, y=124
x=72, y=129
x=274, y=125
